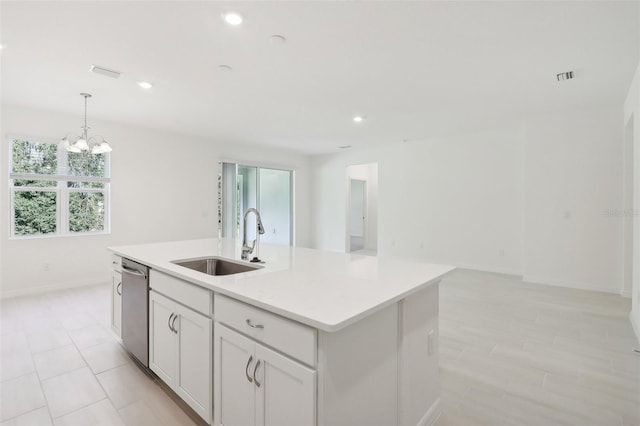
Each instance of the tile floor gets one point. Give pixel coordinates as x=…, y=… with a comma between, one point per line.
x=60, y=364
x=511, y=353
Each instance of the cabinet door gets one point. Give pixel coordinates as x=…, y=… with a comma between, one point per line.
x=162, y=339
x=286, y=395
x=234, y=363
x=195, y=361
x=116, y=302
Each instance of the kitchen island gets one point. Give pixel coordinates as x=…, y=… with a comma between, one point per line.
x=310, y=337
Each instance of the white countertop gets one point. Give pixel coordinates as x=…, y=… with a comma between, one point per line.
x=325, y=290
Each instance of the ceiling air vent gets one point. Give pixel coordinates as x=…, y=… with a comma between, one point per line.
x=565, y=76
x=105, y=71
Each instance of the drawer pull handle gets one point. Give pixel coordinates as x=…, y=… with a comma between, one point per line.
x=173, y=324
x=258, y=384
x=252, y=325
x=246, y=369
x=118, y=289
x=169, y=322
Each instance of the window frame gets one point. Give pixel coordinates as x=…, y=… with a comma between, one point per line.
x=61, y=189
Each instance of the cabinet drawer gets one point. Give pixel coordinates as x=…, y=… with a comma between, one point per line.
x=196, y=298
x=290, y=337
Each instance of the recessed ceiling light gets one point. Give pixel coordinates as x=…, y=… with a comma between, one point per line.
x=1, y=46
x=358, y=119
x=232, y=18
x=278, y=39
x=224, y=67
x=145, y=85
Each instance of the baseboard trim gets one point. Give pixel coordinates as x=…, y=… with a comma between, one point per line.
x=432, y=414
x=6, y=294
x=494, y=270
x=569, y=284
x=634, y=317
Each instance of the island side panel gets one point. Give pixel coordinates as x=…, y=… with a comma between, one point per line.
x=419, y=369
x=358, y=371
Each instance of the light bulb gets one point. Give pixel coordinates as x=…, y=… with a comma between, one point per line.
x=81, y=144
x=101, y=148
x=74, y=148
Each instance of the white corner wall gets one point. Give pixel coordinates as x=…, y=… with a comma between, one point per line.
x=573, y=187
x=455, y=200
x=529, y=199
x=163, y=188
x=632, y=112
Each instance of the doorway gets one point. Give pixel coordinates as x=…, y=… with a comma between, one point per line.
x=357, y=210
x=268, y=190
x=628, y=210
x=361, y=219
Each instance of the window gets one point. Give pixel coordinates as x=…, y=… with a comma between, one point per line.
x=55, y=192
x=268, y=190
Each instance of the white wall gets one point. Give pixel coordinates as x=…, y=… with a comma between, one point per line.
x=455, y=200
x=632, y=112
x=529, y=199
x=573, y=188
x=163, y=188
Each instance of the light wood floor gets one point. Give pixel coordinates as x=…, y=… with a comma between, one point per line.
x=511, y=353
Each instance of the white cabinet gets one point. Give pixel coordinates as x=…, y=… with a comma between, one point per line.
x=180, y=351
x=116, y=295
x=258, y=386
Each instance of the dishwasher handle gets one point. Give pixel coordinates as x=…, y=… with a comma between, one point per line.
x=133, y=271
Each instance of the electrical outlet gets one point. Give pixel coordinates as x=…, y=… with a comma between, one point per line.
x=46, y=266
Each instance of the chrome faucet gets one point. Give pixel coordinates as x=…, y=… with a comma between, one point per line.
x=246, y=248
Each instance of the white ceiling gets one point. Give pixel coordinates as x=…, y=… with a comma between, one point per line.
x=413, y=69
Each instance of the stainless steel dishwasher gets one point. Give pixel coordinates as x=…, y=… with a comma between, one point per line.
x=135, y=310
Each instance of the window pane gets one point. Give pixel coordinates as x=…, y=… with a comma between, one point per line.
x=83, y=185
x=37, y=183
x=86, y=164
x=34, y=157
x=86, y=211
x=35, y=212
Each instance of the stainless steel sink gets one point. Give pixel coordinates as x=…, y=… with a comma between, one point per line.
x=215, y=266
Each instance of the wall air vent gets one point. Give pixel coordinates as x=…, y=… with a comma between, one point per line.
x=565, y=76
x=105, y=71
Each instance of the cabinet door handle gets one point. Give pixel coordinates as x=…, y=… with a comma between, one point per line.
x=173, y=324
x=252, y=325
x=118, y=289
x=258, y=384
x=169, y=322
x=246, y=369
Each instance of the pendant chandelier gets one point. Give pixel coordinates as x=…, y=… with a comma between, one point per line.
x=96, y=144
